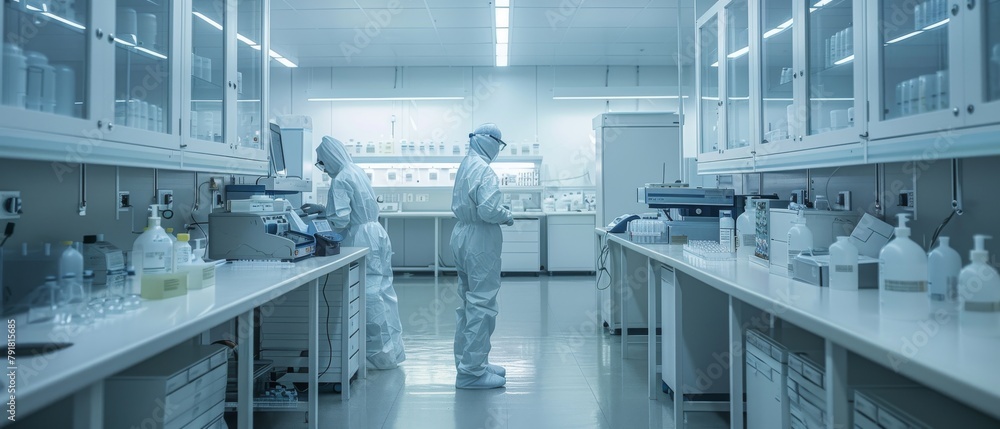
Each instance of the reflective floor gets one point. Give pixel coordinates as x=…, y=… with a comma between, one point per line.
x=563, y=369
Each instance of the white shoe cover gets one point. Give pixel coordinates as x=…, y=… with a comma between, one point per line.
x=496, y=369
x=485, y=381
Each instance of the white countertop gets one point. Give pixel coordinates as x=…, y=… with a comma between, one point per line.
x=571, y=213
x=517, y=215
x=931, y=352
x=118, y=342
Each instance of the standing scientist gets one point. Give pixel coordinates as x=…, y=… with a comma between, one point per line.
x=476, y=243
x=351, y=207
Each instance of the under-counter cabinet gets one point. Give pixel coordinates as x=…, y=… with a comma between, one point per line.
x=569, y=242
x=521, y=248
x=105, y=82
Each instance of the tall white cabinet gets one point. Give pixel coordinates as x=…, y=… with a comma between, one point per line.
x=121, y=82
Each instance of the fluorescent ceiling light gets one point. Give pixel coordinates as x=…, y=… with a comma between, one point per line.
x=739, y=52
x=502, y=61
x=503, y=3
x=151, y=52
x=774, y=31
x=904, y=37
x=245, y=39
x=64, y=20
x=391, y=94
x=502, y=49
x=503, y=35
x=844, y=60
x=208, y=20
x=503, y=17
x=614, y=93
x=936, y=24
x=383, y=98
x=286, y=62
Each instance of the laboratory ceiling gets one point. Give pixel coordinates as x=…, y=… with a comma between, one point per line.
x=343, y=33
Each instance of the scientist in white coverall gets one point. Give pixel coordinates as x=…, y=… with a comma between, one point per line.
x=351, y=208
x=476, y=243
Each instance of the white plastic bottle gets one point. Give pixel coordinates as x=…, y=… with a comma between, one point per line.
x=979, y=294
x=182, y=250
x=902, y=277
x=800, y=238
x=746, y=233
x=153, y=251
x=843, y=265
x=171, y=236
x=71, y=261
x=943, y=267
x=727, y=231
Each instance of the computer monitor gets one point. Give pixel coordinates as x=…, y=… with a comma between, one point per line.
x=277, y=151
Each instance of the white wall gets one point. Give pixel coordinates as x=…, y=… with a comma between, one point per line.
x=518, y=99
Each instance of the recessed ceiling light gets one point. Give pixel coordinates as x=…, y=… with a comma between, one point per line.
x=503, y=35
x=503, y=17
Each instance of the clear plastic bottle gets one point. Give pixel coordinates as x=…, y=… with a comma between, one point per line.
x=43, y=303
x=943, y=267
x=843, y=265
x=132, y=294
x=800, y=238
x=71, y=261
x=727, y=231
x=746, y=233
x=182, y=250
x=902, y=280
x=979, y=294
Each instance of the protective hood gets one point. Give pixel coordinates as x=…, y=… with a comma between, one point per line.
x=332, y=153
x=485, y=141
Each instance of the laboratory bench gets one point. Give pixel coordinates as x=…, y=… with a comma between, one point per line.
x=115, y=343
x=845, y=324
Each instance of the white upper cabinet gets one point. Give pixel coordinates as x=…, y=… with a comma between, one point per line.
x=104, y=82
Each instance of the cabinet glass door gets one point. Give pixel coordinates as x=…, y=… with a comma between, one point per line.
x=249, y=70
x=992, y=35
x=737, y=75
x=914, y=57
x=45, y=56
x=208, y=70
x=142, y=66
x=709, y=104
x=831, y=66
x=776, y=70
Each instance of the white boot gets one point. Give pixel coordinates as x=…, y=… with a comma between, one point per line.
x=486, y=381
x=496, y=369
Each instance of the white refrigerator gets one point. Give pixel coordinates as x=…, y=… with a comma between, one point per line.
x=633, y=149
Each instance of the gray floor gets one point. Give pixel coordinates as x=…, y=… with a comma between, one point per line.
x=563, y=369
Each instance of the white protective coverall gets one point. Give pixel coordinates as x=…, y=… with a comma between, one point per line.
x=351, y=207
x=476, y=243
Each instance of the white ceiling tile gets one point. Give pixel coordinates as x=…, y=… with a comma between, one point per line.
x=604, y=17
x=466, y=35
x=336, y=18
x=462, y=49
x=462, y=18
x=654, y=17
x=540, y=18
x=628, y=3
x=536, y=34
x=592, y=35
x=647, y=35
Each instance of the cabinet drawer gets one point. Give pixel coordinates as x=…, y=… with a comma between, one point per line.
x=355, y=291
x=182, y=400
x=522, y=225
x=352, y=325
x=210, y=414
x=570, y=220
x=519, y=262
x=354, y=274
x=355, y=307
x=520, y=247
x=352, y=344
x=525, y=236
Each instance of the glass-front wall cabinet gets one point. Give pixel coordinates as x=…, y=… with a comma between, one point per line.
x=208, y=70
x=143, y=82
x=249, y=71
x=913, y=39
x=737, y=90
x=992, y=49
x=777, y=73
x=830, y=84
x=709, y=104
x=46, y=56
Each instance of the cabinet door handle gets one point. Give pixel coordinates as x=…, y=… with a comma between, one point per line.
x=863, y=135
x=970, y=109
x=111, y=38
x=970, y=4
x=955, y=111
x=954, y=9
x=99, y=33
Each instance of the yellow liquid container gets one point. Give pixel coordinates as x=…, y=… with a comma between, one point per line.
x=164, y=285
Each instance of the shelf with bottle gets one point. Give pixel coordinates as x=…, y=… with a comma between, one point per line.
x=37, y=14
x=432, y=159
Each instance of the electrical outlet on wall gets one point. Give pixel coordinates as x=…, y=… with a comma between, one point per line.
x=165, y=198
x=908, y=199
x=216, y=182
x=10, y=204
x=123, y=203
